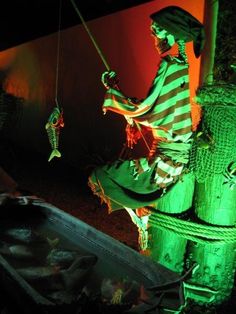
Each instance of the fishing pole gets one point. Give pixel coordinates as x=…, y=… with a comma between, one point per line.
x=91, y=36
x=103, y=59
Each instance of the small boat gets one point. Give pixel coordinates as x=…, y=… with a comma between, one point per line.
x=62, y=248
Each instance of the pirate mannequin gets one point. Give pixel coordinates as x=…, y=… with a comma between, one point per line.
x=166, y=111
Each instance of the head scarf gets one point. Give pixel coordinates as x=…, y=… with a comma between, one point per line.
x=182, y=25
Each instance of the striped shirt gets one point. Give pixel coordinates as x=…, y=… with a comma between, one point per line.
x=167, y=110
x=167, y=106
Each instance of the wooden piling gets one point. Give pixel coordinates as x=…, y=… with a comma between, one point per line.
x=215, y=199
x=166, y=247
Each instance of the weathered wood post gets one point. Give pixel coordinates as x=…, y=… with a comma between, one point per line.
x=215, y=195
x=165, y=246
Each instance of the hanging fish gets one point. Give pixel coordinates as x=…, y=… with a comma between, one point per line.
x=53, y=126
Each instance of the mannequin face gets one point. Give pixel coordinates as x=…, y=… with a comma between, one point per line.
x=163, y=40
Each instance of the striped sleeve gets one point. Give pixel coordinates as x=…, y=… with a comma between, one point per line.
x=167, y=105
x=117, y=102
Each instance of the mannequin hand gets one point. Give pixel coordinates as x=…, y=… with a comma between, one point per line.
x=109, y=79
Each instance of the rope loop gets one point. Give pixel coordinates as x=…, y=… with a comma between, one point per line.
x=194, y=231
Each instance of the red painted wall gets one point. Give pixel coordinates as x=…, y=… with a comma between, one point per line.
x=29, y=71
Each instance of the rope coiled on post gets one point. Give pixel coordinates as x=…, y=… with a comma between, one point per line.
x=194, y=231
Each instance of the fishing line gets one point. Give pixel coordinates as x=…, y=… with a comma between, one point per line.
x=58, y=53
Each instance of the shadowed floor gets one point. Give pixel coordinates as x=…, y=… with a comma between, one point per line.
x=65, y=187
